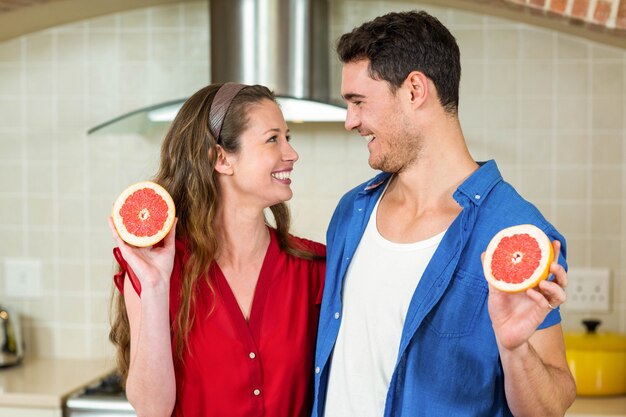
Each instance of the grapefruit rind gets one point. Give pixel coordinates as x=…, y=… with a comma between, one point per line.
x=540, y=273
x=143, y=241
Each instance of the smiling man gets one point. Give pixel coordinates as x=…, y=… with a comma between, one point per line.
x=409, y=325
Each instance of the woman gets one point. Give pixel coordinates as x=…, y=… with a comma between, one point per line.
x=226, y=320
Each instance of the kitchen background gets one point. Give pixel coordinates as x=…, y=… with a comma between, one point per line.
x=548, y=106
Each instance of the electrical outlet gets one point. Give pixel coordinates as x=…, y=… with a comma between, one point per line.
x=588, y=289
x=22, y=278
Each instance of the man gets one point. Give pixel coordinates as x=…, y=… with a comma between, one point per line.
x=409, y=325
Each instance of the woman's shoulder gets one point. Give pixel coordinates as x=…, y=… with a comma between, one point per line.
x=295, y=242
x=317, y=248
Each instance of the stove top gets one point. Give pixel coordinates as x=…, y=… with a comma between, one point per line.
x=109, y=385
x=104, y=398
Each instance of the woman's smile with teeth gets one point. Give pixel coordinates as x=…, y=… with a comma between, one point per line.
x=281, y=175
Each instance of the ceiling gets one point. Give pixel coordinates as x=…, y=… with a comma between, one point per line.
x=18, y=17
x=10, y=5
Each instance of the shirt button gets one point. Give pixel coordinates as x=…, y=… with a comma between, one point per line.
x=477, y=196
x=317, y=369
x=252, y=355
x=360, y=209
x=337, y=315
x=257, y=392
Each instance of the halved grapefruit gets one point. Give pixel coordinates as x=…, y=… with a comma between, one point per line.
x=143, y=214
x=518, y=258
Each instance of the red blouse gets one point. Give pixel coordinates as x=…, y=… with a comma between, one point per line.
x=259, y=367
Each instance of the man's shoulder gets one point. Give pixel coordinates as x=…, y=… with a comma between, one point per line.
x=507, y=207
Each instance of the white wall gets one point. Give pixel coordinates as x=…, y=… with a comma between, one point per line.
x=549, y=107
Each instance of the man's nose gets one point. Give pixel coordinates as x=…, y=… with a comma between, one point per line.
x=352, y=121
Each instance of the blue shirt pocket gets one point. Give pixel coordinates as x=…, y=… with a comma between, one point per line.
x=455, y=315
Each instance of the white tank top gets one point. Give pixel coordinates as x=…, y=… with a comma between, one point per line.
x=379, y=284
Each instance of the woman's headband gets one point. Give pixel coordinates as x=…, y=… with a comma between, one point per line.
x=220, y=105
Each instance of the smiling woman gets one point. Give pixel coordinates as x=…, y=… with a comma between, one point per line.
x=243, y=296
x=259, y=172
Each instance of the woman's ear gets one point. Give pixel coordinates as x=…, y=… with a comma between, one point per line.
x=223, y=164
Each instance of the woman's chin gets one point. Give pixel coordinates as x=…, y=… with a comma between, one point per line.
x=282, y=199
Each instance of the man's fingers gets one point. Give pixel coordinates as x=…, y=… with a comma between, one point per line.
x=560, y=276
x=556, y=245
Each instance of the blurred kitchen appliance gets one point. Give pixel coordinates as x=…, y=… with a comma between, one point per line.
x=597, y=360
x=282, y=44
x=11, y=339
x=105, y=398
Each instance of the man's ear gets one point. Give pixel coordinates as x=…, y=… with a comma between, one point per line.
x=418, y=86
x=223, y=164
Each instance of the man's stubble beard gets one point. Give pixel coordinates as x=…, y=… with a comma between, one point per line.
x=402, y=153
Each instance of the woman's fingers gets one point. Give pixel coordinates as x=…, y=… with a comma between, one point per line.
x=170, y=238
x=116, y=236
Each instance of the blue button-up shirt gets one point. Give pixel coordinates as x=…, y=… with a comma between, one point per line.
x=448, y=362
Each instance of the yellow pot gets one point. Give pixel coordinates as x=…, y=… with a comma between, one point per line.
x=597, y=361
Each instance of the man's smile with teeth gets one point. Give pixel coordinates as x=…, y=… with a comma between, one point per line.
x=281, y=175
x=368, y=138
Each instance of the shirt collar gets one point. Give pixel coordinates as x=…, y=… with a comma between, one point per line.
x=375, y=182
x=478, y=185
x=475, y=187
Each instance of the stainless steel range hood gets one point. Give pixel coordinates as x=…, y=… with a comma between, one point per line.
x=282, y=44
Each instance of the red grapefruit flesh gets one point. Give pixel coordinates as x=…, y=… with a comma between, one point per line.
x=518, y=258
x=143, y=214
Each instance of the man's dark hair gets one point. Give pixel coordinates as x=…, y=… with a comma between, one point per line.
x=398, y=43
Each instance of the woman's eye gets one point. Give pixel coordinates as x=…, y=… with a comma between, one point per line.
x=273, y=139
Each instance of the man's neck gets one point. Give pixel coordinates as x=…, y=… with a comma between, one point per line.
x=419, y=203
x=442, y=165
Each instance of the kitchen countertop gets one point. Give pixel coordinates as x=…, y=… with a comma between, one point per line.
x=598, y=406
x=45, y=383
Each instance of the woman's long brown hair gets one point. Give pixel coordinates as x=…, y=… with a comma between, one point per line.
x=188, y=157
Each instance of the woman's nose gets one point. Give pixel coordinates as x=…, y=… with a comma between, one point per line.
x=289, y=153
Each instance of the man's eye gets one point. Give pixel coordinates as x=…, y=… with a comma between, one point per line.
x=288, y=137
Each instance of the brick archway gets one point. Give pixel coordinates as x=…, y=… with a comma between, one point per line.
x=606, y=13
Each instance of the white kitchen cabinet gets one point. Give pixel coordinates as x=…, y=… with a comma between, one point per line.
x=600, y=413
x=38, y=387
x=598, y=407
x=29, y=412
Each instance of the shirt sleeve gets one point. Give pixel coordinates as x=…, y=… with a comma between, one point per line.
x=553, y=317
x=319, y=270
x=320, y=274
x=125, y=270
